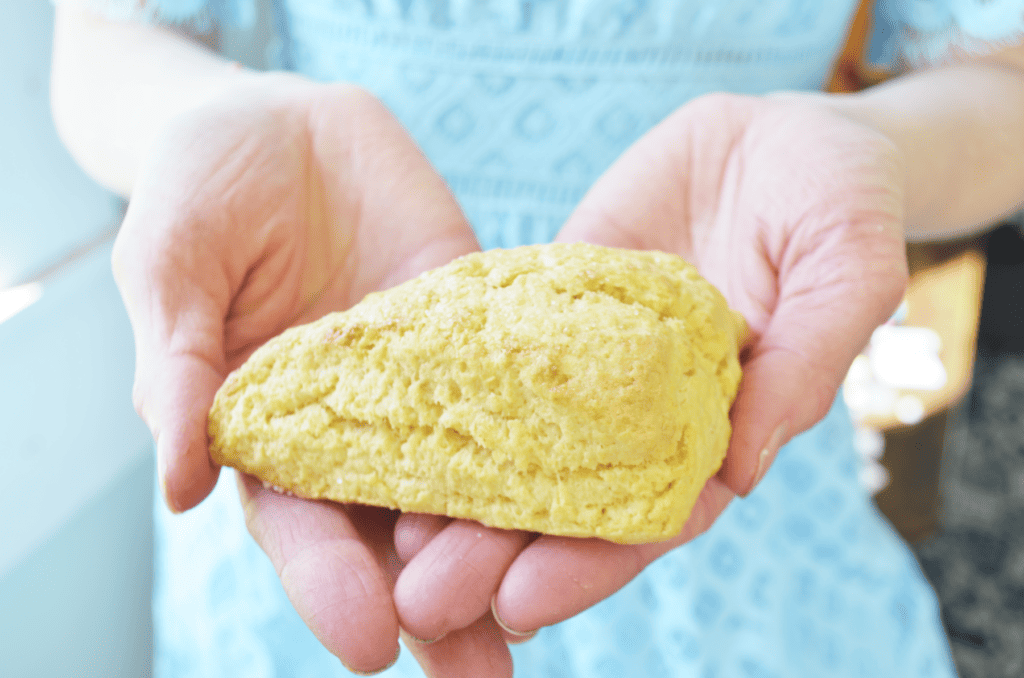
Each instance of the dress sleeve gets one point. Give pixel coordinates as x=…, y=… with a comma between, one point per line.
x=915, y=33
x=198, y=14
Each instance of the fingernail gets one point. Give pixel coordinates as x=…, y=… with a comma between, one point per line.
x=167, y=497
x=521, y=638
x=768, y=452
x=422, y=641
x=525, y=635
x=161, y=466
x=394, y=661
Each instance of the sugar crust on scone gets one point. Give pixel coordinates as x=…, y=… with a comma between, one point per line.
x=567, y=389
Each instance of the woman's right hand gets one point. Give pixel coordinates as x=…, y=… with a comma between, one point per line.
x=278, y=202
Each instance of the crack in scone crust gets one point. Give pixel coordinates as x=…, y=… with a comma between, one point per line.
x=566, y=389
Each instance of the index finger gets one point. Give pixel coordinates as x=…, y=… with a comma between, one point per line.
x=448, y=584
x=335, y=581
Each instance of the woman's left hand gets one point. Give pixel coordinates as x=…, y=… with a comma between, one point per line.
x=795, y=213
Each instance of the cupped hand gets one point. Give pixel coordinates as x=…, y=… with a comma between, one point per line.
x=795, y=213
x=277, y=203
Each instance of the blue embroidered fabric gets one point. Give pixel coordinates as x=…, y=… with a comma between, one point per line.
x=521, y=104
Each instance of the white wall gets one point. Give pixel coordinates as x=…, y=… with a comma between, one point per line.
x=75, y=513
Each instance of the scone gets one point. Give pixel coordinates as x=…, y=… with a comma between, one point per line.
x=566, y=389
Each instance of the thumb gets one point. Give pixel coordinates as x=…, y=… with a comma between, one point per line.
x=178, y=331
x=796, y=367
x=174, y=401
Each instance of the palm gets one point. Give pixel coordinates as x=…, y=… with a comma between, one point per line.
x=257, y=213
x=795, y=213
x=301, y=205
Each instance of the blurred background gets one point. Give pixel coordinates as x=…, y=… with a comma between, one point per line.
x=943, y=447
x=75, y=527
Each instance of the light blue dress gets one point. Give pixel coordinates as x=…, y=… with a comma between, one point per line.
x=521, y=104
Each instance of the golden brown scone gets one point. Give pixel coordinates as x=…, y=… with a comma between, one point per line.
x=568, y=389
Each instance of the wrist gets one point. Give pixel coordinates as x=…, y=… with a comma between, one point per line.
x=960, y=138
x=224, y=99
x=923, y=153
